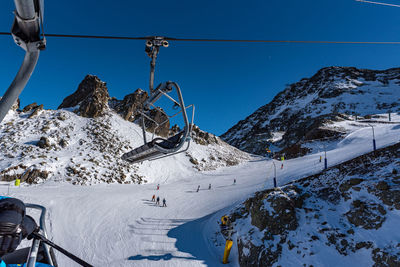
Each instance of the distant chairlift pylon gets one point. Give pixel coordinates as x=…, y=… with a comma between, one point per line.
x=159, y=147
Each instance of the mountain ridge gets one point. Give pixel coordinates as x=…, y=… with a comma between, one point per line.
x=331, y=91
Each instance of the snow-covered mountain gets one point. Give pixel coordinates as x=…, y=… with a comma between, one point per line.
x=119, y=225
x=303, y=110
x=346, y=215
x=343, y=216
x=82, y=143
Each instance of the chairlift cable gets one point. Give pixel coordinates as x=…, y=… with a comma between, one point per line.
x=378, y=3
x=210, y=40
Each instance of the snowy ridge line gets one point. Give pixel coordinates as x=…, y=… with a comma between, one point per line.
x=332, y=90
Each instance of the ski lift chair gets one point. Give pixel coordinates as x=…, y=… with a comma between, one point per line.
x=161, y=147
x=39, y=252
x=16, y=225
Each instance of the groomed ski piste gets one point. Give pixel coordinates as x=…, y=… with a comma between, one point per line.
x=119, y=225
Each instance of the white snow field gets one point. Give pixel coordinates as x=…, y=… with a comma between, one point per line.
x=118, y=225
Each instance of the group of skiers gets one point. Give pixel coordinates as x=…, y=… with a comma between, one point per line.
x=157, y=200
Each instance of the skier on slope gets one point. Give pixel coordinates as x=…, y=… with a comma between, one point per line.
x=209, y=186
x=153, y=198
x=234, y=181
x=158, y=201
x=198, y=188
x=164, y=202
x=158, y=186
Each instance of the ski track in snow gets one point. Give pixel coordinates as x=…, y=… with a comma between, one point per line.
x=118, y=225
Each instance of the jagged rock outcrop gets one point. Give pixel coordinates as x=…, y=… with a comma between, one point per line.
x=203, y=138
x=29, y=175
x=345, y=208
x=129, y=106
x=91, y=96
x=43, y=142
x=29, y=107
x=36, y=111
x=298, y=112
x=129, y=109
x=160, y=125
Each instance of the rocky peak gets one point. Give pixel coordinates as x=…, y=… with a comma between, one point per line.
x=129, y=109
x=129, y=106
x=91, y=96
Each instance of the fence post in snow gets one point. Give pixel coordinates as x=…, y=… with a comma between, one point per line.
x=373, y=137
x=274, y=173
x=325, y=160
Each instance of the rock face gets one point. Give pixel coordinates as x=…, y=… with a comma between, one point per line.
x=129, y=106
x=160, y=125
x=204, y=138
x=273, y=213
x=30, y=107
x=91, y=96
x=345, y=208
x=132, y=104
x=30, y=175
x=301, y=110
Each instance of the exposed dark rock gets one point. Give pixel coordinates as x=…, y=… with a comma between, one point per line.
x=130, y=105
x=386, y=258
x=382, y=185
x=274, y=213
x=33, y=176
x=44, y=142
x=346, y=185
x=366, y=215
x=12, y=173
x=63, y=143
x=257, y=256
x=160, y=125
x=91, y=96
x=36, y=111
x=202, y=137
x=30, y=107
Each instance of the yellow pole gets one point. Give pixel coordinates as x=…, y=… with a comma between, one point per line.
x=228, y=246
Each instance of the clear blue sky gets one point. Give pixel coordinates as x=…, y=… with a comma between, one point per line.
x=226, y=81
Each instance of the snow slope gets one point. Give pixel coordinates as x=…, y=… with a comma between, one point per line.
x=88, y=151
x=118, y=225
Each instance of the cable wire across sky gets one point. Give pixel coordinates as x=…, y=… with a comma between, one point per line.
x=378, y=3
x=210, y=40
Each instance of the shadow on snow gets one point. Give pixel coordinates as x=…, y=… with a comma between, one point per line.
x=189, y=240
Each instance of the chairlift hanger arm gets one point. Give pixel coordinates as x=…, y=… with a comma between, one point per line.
x=160, y=147
x=27, y=33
